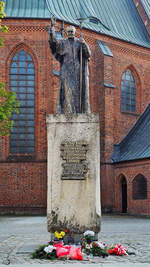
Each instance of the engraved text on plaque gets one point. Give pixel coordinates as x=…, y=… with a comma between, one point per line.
x=75, y=165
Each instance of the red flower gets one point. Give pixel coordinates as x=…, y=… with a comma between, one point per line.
x=95, y=245
x=110, y=251
x=118, y=250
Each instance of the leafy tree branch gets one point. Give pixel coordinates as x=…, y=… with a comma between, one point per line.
x=3, y=28
x=8, y=102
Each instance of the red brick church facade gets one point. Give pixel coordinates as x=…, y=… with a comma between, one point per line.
x=23, y=176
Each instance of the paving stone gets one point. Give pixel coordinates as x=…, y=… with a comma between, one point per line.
x=16, y=248
x=27, y=249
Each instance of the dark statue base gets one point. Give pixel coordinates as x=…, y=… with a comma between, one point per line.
x=74, y=239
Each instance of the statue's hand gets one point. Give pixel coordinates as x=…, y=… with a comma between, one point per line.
x=53, y=22
x=52, y=28
x=81, y=40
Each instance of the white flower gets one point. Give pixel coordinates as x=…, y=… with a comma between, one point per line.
x=88, y=232
x=101, y=245
x=49, y=249
x=87, y=246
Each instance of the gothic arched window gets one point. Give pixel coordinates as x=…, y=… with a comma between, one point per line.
x=22, y=82
x=128, y=92
x=139, y=187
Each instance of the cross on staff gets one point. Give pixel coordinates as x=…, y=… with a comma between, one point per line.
x=81, y=21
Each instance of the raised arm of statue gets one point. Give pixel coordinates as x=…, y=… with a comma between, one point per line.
x=52, y=31
x=54, y=43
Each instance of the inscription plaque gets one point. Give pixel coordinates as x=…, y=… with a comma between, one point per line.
x=75, y=165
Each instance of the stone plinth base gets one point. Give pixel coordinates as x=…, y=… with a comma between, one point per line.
x=73, y=173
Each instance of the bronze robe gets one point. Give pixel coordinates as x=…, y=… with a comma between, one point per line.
x=67, y=52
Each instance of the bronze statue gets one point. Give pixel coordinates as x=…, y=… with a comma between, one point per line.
x=73, y=55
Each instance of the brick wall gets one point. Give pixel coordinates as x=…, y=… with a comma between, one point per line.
x=117, y=123
x=23, y=179
x=130, y=170
x=23, y=187
x=27, y=176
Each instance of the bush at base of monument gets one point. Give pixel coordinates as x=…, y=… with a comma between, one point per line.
x=40, y=253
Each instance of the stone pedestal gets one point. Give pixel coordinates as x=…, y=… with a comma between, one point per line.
x=73, y=173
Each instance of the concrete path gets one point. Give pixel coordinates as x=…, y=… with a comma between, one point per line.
x=19, y=236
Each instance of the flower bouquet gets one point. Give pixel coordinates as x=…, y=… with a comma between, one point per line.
x=58, y=250
x=91, y=247
x=118, y=250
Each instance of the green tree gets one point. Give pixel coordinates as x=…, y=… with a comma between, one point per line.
x=8, y=102
x=3, y=28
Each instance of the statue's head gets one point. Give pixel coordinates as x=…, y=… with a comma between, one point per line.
x=71, y=31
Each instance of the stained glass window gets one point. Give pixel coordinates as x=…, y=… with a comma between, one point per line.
x=22, y=82
x=128, y=92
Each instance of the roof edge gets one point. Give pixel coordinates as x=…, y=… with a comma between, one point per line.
x=117, y=147
x=138, y=122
